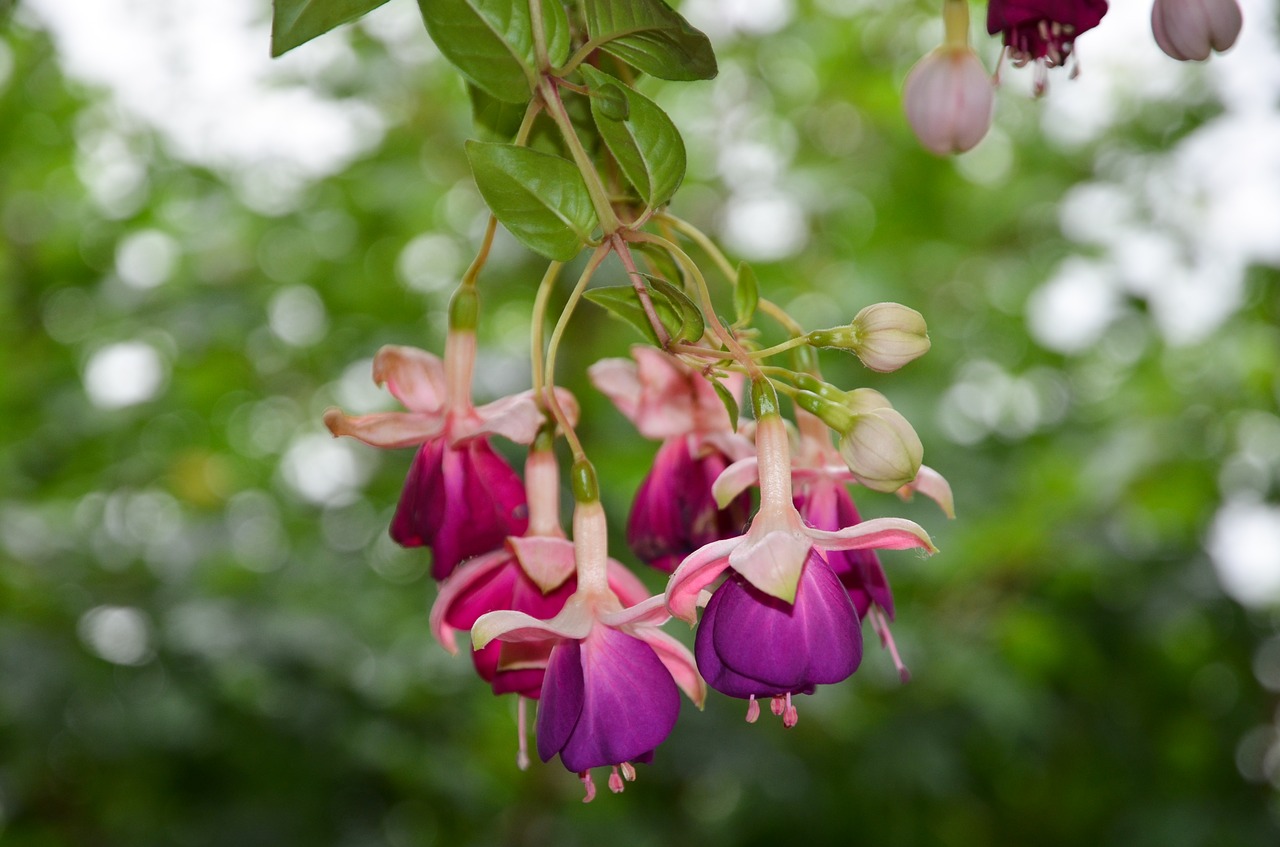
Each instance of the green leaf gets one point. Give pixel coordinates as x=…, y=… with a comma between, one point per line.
x=623, y=302
x=746, y=294
x=652, y=37
x=726, y=397
x=645, y=142
x=295, y=22
x=659, y=259
x=540, y=198
x=495, y=119
x=491, y=41
x=692, y=324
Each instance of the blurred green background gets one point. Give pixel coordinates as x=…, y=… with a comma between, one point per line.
x=206, y=636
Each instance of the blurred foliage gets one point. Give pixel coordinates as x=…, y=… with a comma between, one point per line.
x=194, y=651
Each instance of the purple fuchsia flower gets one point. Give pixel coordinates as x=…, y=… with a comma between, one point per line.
x=821, y=495
x=533, y=574
x=1042, y=31
x=461, y=498
x=609, y=696
x=778, y=554
x=674, y=512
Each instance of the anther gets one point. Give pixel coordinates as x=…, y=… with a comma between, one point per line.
x=790, y=716
x=587, y=784
x=615, y=781
x=628, y=771
x=777, y=705
x=753, y=709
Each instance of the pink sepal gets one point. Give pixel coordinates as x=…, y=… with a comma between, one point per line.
x=574, y=622
x=547, y=561
x=651, y=611
x=699, y=569
x=516, y=418
x=735, y=479
x=414, y=377
x=476, y=570
x=661, y=396
x=678, y=661
x=933, y=485
x=877, y=533
x=386, y=429
x=625, y=584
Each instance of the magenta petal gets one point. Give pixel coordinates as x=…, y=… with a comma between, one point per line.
x=748, y=637
x=459, y=501
x=675, y=511
x=620, y=705
x=826, y=504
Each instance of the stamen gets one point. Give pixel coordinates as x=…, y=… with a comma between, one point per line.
x=791, y=716
x=522, y=734
x=777, y=705
x=590, y=786
x=1043, y=27
x=881, y=625
x=753, y=709
x=615, y=781
x=628, y=771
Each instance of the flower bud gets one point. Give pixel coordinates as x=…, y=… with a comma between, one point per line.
x=882, y=450
x=949, y=100
x=1189, y=29
x=885, y=336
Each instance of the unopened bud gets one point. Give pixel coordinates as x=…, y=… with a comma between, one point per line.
x=885, y=336
x=882, y=450
x=1189, y=29
x=949, y=100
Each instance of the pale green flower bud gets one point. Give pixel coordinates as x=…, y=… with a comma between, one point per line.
x=882, y=450
x=885, y=336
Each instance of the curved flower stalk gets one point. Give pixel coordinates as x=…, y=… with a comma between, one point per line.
x=533, y=574
x=460, y=498
x=609, y=696
x=674, y=512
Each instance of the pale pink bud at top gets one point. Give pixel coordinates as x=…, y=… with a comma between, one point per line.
x=882, y=450
x=949, y=100
x=1189, y=29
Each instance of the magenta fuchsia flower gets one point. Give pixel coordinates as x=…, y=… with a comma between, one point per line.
x=771, y=561
x=1042, y=31
x=533, y=574
x=1189, y=30
x=609, y=695
x=461, y=498
x=674, y=512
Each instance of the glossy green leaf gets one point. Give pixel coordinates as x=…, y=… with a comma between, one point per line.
x=295, y=22
x=746, y=294
x=652, y=37
x=623, y=302
x=491, y=41
x=726, y=397
x=494, y=118
x=692, y=324
x=540, y=198
x=646, y=144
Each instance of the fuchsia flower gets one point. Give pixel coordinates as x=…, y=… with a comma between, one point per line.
x=949, y=100
x=780, y=589
x=533, y=574
x=1042, y=31
x=674, y=512
x=609, y=696
x=460, y=499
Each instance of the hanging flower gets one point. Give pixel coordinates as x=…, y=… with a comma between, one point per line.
x=674, y=512
x=1042, y=31
x=461, y=498
x=949, y=100
x=609, y=696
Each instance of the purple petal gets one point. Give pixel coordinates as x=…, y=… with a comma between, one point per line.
x=749, y=638
x=826, y=504
x=622, y=704
x=420, y=510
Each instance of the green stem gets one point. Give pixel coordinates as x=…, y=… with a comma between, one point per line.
x=539, y=36
x=599, y=196
x=539, y=319
x=642, y=291
x=553, y=347
x=703, y=241
x=708, y=308
x=780, y=348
